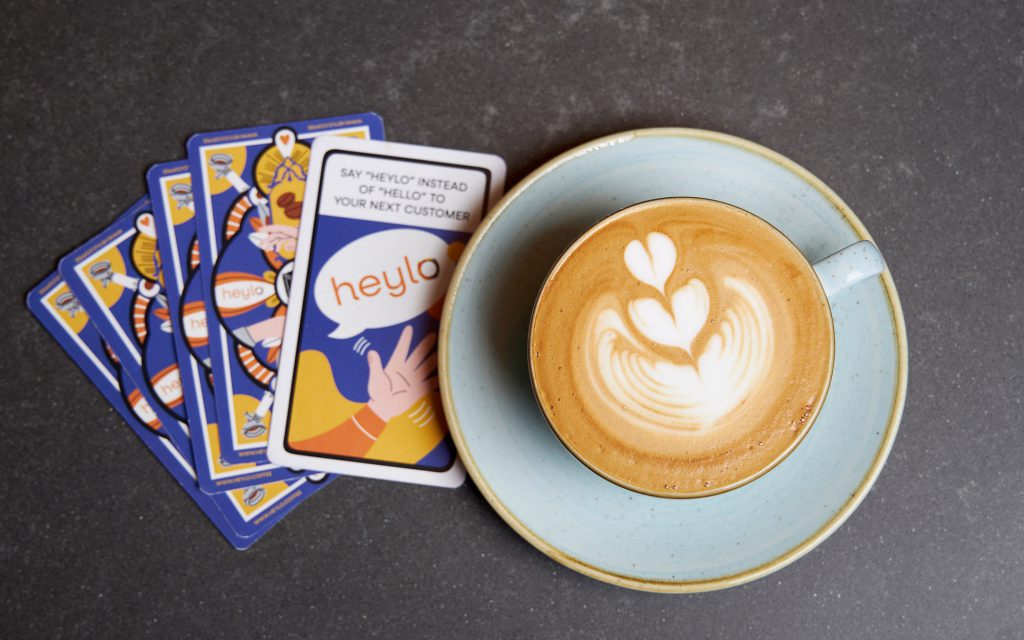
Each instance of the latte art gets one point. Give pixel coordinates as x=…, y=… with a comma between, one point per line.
x=681, y=346
x=694, y=390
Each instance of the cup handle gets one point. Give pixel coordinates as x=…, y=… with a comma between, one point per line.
x=848, y=266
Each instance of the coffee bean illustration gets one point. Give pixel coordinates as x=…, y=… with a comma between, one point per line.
x=292, y=207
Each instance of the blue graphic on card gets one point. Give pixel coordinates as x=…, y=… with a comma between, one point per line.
x=241, y=515
x=170, y=187
x=249, y=186
x=116, y=278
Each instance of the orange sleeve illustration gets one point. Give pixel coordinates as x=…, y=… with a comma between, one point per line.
x=352, y=438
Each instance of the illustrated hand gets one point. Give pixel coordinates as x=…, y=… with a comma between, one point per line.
x=406, y=378
x=281, y=238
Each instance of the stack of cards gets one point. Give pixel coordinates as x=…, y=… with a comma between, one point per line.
x=267, y=315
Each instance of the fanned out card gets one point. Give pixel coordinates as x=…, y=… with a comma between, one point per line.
x=116, y=278
x=170, y=189
x=383, y=225
x=242, y=515
x=249, y=186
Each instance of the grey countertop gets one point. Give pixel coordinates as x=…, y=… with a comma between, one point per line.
x=911, y=111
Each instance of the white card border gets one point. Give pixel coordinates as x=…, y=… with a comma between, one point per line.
x=455, y=475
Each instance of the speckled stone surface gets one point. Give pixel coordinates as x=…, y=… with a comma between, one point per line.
x=912, y=112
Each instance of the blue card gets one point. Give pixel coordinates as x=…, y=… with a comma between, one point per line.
x=249, y=185
x=116, y=278
x=242, y=516
x=383, y=225
x=170, y=189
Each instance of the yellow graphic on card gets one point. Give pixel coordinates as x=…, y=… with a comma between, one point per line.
x=110, y=261
x=251, y=500
x=275, y=167
x=145, y=256
x=68, y=308
x=221, y=165
x=317, y=406
x=409, y=437
x=178, y=198
x=280, y=173
x=213, y=442
x=251, y=418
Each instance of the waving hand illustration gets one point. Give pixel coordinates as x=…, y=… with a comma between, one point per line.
x=406, y=378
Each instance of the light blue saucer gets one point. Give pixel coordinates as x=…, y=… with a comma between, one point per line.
x=586, y=522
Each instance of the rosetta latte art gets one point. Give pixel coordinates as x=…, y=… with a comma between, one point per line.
x=694, y=390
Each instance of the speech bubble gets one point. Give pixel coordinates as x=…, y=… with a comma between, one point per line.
x=383, y=279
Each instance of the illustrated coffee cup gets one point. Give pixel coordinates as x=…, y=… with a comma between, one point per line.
x=683, y=347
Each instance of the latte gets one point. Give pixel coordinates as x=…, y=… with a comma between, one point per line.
x=681, y=347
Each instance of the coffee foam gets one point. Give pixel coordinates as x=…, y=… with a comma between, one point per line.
x=681, y=347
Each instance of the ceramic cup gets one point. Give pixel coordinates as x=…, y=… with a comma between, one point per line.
x=835, y=273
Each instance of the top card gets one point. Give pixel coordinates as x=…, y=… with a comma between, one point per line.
x=382, y=227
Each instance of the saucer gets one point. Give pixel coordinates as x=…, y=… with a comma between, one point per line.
x=592, y=525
